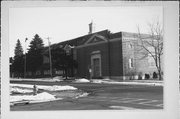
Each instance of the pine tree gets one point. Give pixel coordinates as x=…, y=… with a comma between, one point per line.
x=34, y=56
x=36, y=43
x=18, y=49
x=18, y=63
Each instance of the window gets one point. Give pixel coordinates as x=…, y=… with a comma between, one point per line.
x=46, y=72
x=38, y=72
x=131, y=63
x=130, y=45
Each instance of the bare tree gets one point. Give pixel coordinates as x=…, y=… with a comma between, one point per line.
x=153, y=44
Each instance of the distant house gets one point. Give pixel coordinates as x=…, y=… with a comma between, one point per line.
x=107, y=55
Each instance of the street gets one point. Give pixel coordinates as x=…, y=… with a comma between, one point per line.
x=101, y=97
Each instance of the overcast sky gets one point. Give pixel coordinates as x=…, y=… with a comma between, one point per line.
x=65, y=23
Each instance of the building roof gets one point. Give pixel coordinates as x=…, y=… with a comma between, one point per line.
x=82, y=39
x=79, y=40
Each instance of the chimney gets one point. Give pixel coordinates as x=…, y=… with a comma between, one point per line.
x=91, y=27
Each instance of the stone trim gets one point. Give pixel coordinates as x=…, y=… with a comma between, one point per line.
x=97, y=43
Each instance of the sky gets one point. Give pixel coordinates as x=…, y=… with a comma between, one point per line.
x=65, y=23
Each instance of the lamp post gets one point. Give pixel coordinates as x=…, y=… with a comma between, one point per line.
x=25, y=59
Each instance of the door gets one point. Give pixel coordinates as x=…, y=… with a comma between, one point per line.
x=96, y=67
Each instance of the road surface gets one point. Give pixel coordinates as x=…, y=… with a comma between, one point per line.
x=102, y=97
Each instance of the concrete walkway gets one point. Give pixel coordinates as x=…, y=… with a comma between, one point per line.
x=107, y=81
x=130, y=82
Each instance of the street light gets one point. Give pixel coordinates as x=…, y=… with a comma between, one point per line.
x=25, y=59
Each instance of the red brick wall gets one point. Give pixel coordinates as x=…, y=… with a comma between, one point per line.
x=111, y=66
x=84, y=59
x=116, y=64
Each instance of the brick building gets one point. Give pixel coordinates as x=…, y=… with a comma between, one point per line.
x=109, y=55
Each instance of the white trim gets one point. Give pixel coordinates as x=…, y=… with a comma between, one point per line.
x=97, y=43
x=95, y=35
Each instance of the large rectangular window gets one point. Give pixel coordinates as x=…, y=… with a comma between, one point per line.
x=131, y=63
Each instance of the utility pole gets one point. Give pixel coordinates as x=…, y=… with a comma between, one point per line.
x=50, y=61
x=25, y=59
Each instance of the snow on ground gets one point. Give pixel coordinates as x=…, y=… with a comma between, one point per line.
x=127, y=83
x=39, y=97
x=20, y=90
x=54, y=79
x=122, y=107
x=49, y=88
x=56, y=88
x=82, y=95
x=83, y=80
x=57, y=78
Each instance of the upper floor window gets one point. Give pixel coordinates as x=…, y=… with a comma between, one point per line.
x=130, y=45
x=131, y=63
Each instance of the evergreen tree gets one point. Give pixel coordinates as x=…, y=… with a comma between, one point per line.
x=18, y=49
x=36, y=43
x=18, y=63
x=34, y=56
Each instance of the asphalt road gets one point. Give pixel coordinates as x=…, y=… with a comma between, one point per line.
x=102, y=97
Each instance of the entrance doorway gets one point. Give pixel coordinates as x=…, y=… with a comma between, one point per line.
x=96, y=65
x=96, y=68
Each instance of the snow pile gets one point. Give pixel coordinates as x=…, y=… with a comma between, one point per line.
x=83, y=80
x=20, y=90
x=49, y=88
x=57, y=88
x=102, y=81
x=39, y=97
x=44, y=96
x=96, y=81
x=58, y=78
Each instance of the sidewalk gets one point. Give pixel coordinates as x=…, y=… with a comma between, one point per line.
x=130, y=82
x=104, y=81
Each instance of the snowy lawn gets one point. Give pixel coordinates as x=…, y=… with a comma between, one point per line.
x=48, y=88
x=54, y=79
x=14, y=90
x=48, y=93
x=41, y=96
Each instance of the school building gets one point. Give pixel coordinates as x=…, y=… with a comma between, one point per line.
x=108, y=55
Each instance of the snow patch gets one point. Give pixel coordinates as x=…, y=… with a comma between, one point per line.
x=97, y=81
x=54, y=79
x=58, y=78
x=122, y=107
x=56, y=88
x=83, y=80
x=20, y=90
x=82, y=95
x=127, y=83
x=39, y=97
x=49, y=88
